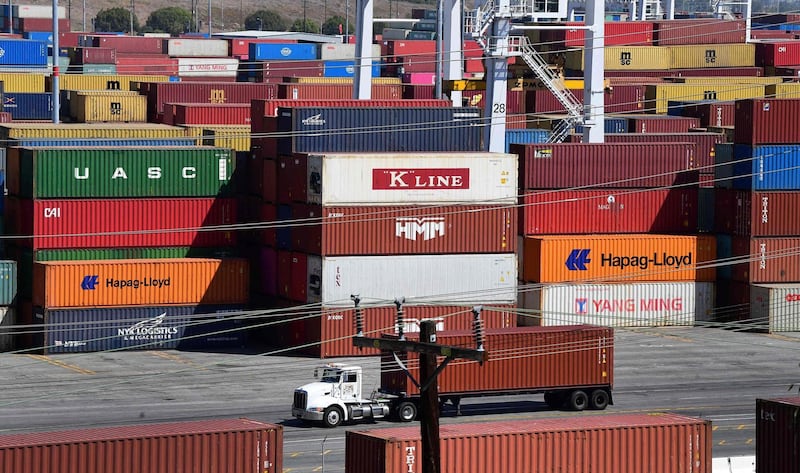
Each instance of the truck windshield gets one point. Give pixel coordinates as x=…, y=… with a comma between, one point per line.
x=330, y=376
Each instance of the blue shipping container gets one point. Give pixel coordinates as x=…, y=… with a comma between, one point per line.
x=141, y=328
x=45, y=36
x=611, y=125
x=283, y=51
x=523, y=136
x=28, y=106
x=23, y=52
x=402, y=129
x=346, y=69
x=768, y=167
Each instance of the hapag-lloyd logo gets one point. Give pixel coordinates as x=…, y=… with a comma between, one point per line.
x=409, y=179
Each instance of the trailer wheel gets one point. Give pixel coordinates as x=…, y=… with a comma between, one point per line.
x=407, y=411
x=599, y=399
x=578, y=400
x=332, y=417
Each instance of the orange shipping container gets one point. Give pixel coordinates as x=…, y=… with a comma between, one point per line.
x=140, y=282
x=613, y=258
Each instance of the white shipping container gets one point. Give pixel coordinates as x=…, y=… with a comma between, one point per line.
x=408, y=178
x=777, y=303
x=345, y=52
x=207, y=67
x=181, y=47
x=7, y=322
x=36, y=11
x=447, y=279
x=619, y=305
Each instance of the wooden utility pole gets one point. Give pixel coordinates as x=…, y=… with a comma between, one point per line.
x=429, y=350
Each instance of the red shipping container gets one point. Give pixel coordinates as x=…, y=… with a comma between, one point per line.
x=698, y=31
x=229, y=445
x=27, y=25
x=705, y=143
x=68, y=39
x=623, y=98
x=661, y=124
x=622, y=165
x=618, y=443
x=145, y=64
x=119, y=223
x=610, y=211
x=269, y=108
x=543, y=101
x=160, y=93
x=778, y=435
x=265, y=70
x=617, y=33
x=757, y=214
x=298, y=270
x=473, y=57
x=402, y=48
x=329, y=333
x=767, y=121
x=711, y=114
x=207, y=114
x=418, y=63
x=240, y=47
x=335, y=91
x=96, y=56
x=766, y=260
x=770, y=35
x=388, y=230
x=262, y=217
x=778, y=53
x=130, y=44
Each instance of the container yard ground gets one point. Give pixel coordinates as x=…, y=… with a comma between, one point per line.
x=705, y=372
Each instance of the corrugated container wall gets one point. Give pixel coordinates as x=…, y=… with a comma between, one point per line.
x=620, y=443
x=710, y=114
x=42, y=173
x=269, y=108
x=131, y=44
x=229, y=445
x=283, y=51
x=648, y=304
x=209, y=68
x=401, y=178
x=767, y=121
x=16, y=82
x=233, y=137
x=23, y=52
x=28, y=106
x=613, y=165
x=766, y=167
x=120, y=223
x=106, y=283
x=111, y=108
x=187, y=47
x=776, y=305
x=208, y=114
x=538, y=363
x=204, y=92
x=705, y=150
x=712, y=56
x=657, y=97
x=624, y=58
x=787, y=90
x=777, y=435
x=763, y=260
x=698, y=31
x=609, y=258
x=101, y=82
x=336, y=91
x=89, y=131
x=746, y=213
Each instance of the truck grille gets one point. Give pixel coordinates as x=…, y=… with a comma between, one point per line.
x=300, y=399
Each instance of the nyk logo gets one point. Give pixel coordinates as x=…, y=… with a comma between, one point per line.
x=89, y=283
x=411, y=227
x=411, y=179
x=578, y=259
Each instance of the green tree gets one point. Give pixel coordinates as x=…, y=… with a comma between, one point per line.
x=115, y=19
x=310, y=27
x=172, y=20
x=331, y=26
x=266, y=20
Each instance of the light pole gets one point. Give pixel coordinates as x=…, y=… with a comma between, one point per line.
x=304, y=16
x=132, y=10
x=347, y=21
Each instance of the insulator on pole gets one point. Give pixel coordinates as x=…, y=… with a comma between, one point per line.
x=477, y=327
x=359, y=315
x=400, y=322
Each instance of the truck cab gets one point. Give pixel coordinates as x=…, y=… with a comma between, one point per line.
x=335, y=397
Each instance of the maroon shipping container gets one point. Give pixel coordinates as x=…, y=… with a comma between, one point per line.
x=778, y=53
x=418, y=63
x=96, y=56
x=329, y=333
x=335, y=91
x=27, y=25
x=291, y=181
x=705, y=143
x=271, y=70
x=711, y=113
x=757, y=214
x=68, y=39
x=159, y=93
x=617, y=33
x=765, y=260
x=269, y=108
x=778, y=435
x=119, y=223
x=543, y=101
x=253, y=210
x=698, y=31
x=661, y=124
x=620, y=165
x=206, y=114
x=732, y=301
x=767, y=121
x=130, y=44
x=390, y=230
x=618, y=443
x=224, y=445
x=625, y=98
x=610, y=211
x=146, y=64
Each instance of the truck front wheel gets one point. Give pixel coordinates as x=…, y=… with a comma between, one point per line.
x=332, y=417
x=407, y=411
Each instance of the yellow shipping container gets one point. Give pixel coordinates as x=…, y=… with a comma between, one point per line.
x=615, y=258
x=624, y=58
x=72, y=98
x=22, y=82
x=111, y=108
x=235, y=137
x=100, y=82
x=711, y=55
x=725, y=80
x=92, y=130
x=342, y=80
x=788, y=90
x=657, y=96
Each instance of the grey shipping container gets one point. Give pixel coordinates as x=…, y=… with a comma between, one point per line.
x=336, y=129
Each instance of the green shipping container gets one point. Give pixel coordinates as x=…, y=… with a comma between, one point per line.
x=8, y=282
x=42, y=173
x=26, y=257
